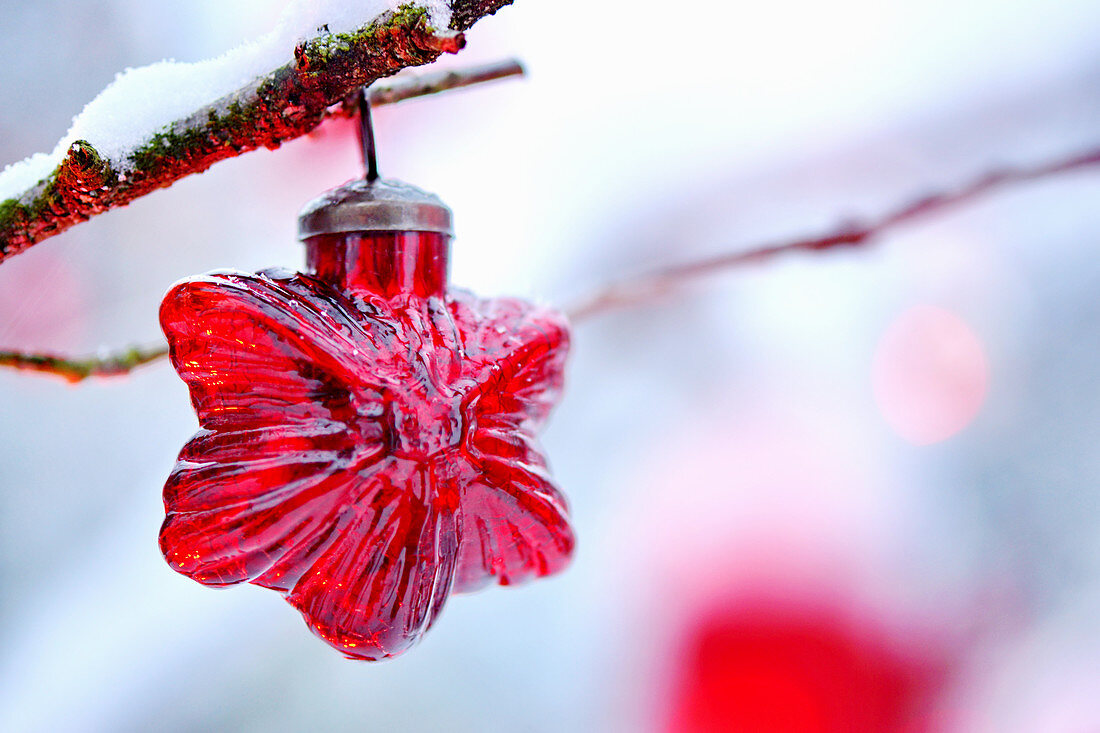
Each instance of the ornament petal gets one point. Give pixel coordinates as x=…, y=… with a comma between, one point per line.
x=239, y=502
x=379, y=587
x=517, y=353
x=285, y=420
x=514, y=525
x=241, y=540
x=221, y=467
x=254, y=352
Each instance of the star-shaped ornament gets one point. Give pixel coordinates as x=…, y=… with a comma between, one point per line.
x=367, y=442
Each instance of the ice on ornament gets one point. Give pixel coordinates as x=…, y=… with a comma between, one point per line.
x=143, y=101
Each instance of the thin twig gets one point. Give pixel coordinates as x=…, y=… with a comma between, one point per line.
x=286, y=103
x=410, y=85
x=647, y=287
x=77, y=370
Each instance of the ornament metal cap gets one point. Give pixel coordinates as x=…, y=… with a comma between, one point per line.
x=374, y=206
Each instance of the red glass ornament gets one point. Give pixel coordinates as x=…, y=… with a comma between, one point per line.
x=367, y=441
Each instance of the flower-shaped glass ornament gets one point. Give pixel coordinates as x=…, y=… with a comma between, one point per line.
x=368, y=434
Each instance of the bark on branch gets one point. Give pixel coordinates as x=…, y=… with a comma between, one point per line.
x=285, y=104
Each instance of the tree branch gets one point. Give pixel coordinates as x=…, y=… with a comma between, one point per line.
x=650, y=286
x=422, y=85
x=77, y=370
x=285, y=104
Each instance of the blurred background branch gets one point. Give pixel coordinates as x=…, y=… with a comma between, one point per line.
x=648, y=287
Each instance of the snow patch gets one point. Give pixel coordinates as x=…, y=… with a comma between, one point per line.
x=140, y=102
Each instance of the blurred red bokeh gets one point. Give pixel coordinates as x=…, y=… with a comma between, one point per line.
x=930, y=375
x=782, y=668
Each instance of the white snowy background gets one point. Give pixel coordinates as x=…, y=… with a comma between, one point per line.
x=742, y=435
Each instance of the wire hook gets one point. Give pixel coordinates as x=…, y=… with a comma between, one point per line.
x=366, y=137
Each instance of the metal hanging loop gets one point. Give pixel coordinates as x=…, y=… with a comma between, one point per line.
x=370, y=204
x=366, y=137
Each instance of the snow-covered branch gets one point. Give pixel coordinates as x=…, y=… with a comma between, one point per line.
x=120, y=149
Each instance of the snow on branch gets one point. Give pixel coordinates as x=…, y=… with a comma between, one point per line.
x=651, y=286
x=120, y=149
